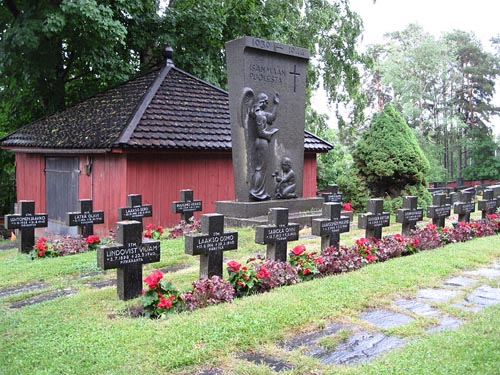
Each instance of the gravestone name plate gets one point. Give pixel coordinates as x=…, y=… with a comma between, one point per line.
x=187, y=205
x=330, y=225
x=85, y=218
x=128, y=256
x=439, y=210
x=277, y=234
x=135, y=210
x=464, y=205
x=26, y=221
x=488, y=204
x=409, y=215
x=332, y=194
x=267, y=82
x=211, y=244
x=375, y=219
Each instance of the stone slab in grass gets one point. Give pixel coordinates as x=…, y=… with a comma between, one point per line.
x=417, y=308
x=275, y=364
x=207, y=371
x=101, y=283
x=484, y=296
x=459, y=282
x=489, y=273
x=437, y=295
x=446, y=322
x=43, y=297
x=22, y=289
x=361, y=347
x=174, y=268
x=383, y=318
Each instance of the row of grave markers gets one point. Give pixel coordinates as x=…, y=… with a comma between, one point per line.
x=131, y=251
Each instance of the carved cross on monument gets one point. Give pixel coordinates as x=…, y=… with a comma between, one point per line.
x=488, y=204
x=375, y=219
x=332, y=194
x=464, y=206
x=135, y=210
x=295, y=74
x=330, y=225
x=187, y=205
x=409, y=215
x=85, y=218
x=277, y=234
x=128, y=256
x=211, y=244
x=26, y=221
x=439, y=210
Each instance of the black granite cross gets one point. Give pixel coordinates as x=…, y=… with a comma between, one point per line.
x=187, y=205
x=135, y=210
x=211, y=244
x=26, y=221
x=409, y=215
x=277, y=234
x=375, y=219
x=464, y=205
x=330, y=225
x=439, y=210
x=128, y=256
x=488, y=204
x=85, y=218
x=332, y=194
x=295, y=74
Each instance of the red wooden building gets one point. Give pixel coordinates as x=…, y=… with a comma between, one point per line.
x=154, y=135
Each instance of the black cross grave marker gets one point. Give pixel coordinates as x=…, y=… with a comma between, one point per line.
x=330, y=225
x=464, y=205
x=211, y=244
x=277, y=234
x=187, y=205
x=488, y=204
x=128, y=256
x=26, y=221
x=332, y=194
x=85, y=218
x=439, y=210
x=374, y=219
x=409, y=215
x=295, y=74
x=135, y=210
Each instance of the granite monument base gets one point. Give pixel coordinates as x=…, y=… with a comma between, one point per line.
x=243, y=214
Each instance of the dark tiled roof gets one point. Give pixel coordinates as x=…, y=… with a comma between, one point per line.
x=166, y=109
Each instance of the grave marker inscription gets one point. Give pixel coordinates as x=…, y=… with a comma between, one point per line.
x=277, y=234
x=439, y=210
x=464, y=205
x=187, y=205
x=330, y=225
x=85, y=218
x=26, y=221
x=409, y=215
x=128, y=256
x=135, y=210
x=488, y=204
x=211, y=244
x=332, y=194
x=375, y=219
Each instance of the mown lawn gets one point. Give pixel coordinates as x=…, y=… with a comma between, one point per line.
x=89, y=332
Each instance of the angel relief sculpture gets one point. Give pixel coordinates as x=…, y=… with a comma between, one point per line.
x=256, y=120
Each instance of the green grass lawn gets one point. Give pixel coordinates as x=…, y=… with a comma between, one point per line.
x=87, y=333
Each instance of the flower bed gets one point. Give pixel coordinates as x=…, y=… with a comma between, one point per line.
x=66, y=245
x=259, y=275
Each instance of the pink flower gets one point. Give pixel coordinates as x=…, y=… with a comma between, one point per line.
x=298, y=250
x=153, y=279
x=233, y=266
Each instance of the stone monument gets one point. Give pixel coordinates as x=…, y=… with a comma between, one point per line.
x=267, y=94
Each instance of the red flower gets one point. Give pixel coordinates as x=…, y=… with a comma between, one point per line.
x=399, y=237
x=92, y=239
x=263, y=272
x=430, y=226
x=240, y=283
x=41, y=253
x=153, y=279
x=347, y=206
x=305, y=271
x=165, y=303
x=298, y=250
x=493, y=216
x=362, y=241
x=416, y=241
x=233, y=266
x=319, y=260
x=370, y=257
